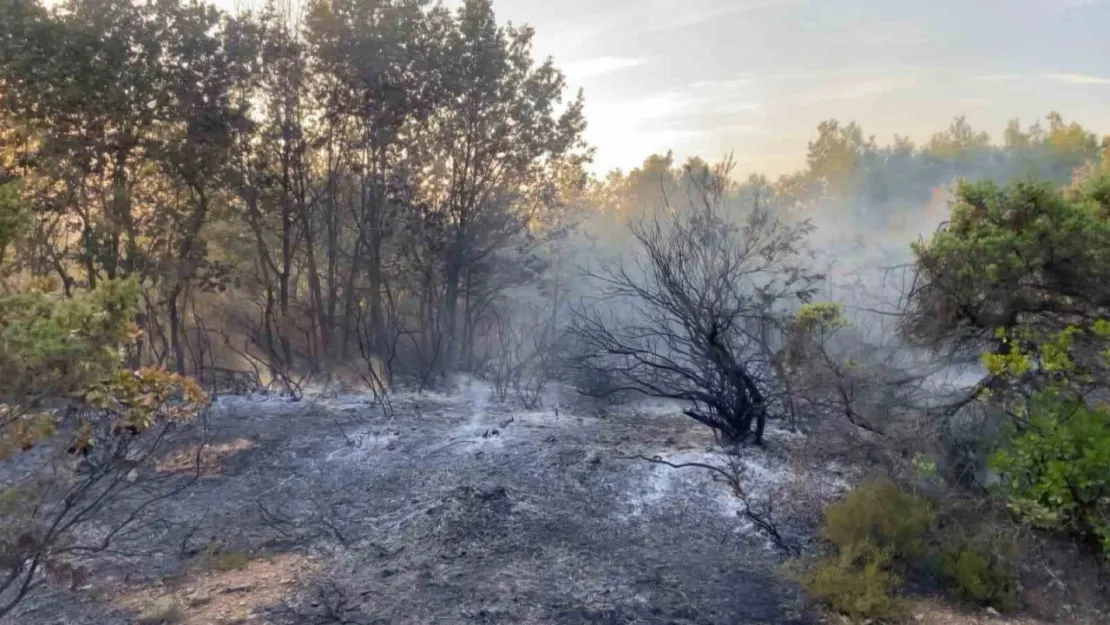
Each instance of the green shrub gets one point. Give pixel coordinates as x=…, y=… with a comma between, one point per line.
x=980, y=574
x=857, y=582
x=878, y=531
x=875, y=529
x=878, y=513
x=1057, y=465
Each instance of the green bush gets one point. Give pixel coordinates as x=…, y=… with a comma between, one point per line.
x=857, y=582
x=878, y=532
x=878, y=513
x=980, y=574
x=1056, y=467
x=875, y=530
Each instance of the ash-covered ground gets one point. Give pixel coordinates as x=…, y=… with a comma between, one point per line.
x=444, y=509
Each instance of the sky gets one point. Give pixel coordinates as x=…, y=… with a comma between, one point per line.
x=754, y=77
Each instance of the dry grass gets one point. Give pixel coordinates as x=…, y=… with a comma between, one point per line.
x=223, y=561
x=211, y=457
x=224, y=596
x=161, y=611
x=932, y=612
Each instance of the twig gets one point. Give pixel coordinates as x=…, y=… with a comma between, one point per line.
x=350, y=443
x=272, y=520
x=732, y=476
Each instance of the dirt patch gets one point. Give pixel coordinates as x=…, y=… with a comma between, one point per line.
x=217, y=597
x=934, y=613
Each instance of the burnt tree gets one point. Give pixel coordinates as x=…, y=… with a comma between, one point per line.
x=694, y=312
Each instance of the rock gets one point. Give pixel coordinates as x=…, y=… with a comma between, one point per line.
x=199, y=598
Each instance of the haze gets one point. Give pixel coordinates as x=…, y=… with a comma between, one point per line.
x=360, y=314
x=706, y=77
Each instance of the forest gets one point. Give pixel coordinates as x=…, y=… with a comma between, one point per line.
x=392, y=201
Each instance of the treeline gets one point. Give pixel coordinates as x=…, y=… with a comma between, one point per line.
x=846, y=169
x=289, y=191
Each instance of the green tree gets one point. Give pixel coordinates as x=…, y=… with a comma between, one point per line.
x=1027, y=254
x=1014, y=138
x=1065, y=138
x=128, y=112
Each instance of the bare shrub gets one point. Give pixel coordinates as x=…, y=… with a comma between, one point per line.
x=694, y=315
x=98, y=483
x=522, y=357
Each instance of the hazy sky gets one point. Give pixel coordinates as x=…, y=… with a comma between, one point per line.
x=755, y=77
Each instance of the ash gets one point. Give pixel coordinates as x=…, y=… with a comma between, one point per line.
x=444, y=508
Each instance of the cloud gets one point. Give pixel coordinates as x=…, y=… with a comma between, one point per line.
x=739, y=94
x=636, y=18
x=686, y=14
x=627, y=130
x=1078, y=4
x=893, y=34
x=1071, y=79
x=633, y=112
x=599, y=66
x=725, y=84
x=1001, y=77
x=738, y=106
x=971, y=102
x=861, y=90
x=1077, y=79
x=738, y=129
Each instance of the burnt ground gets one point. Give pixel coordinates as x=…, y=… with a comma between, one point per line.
x=451, y=509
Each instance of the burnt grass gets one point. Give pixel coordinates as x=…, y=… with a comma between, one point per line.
x=440, y=510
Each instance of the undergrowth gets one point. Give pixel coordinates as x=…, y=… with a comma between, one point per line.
x=878, y=535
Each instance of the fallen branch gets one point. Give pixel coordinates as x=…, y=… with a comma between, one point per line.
x=731, y=475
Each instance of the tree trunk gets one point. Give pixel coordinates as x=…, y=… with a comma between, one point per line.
x=450, y=316
x=374, y=298
x=175, y=333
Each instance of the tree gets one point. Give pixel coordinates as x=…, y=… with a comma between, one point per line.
x=693, y=315
x=1055, y=460
x=493, y=159
x=1027, y=254
x=1019, y=275
x=1014, y=138
x=127, y=113
x=839, y=155
x=379, y=66
x=959, y=139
